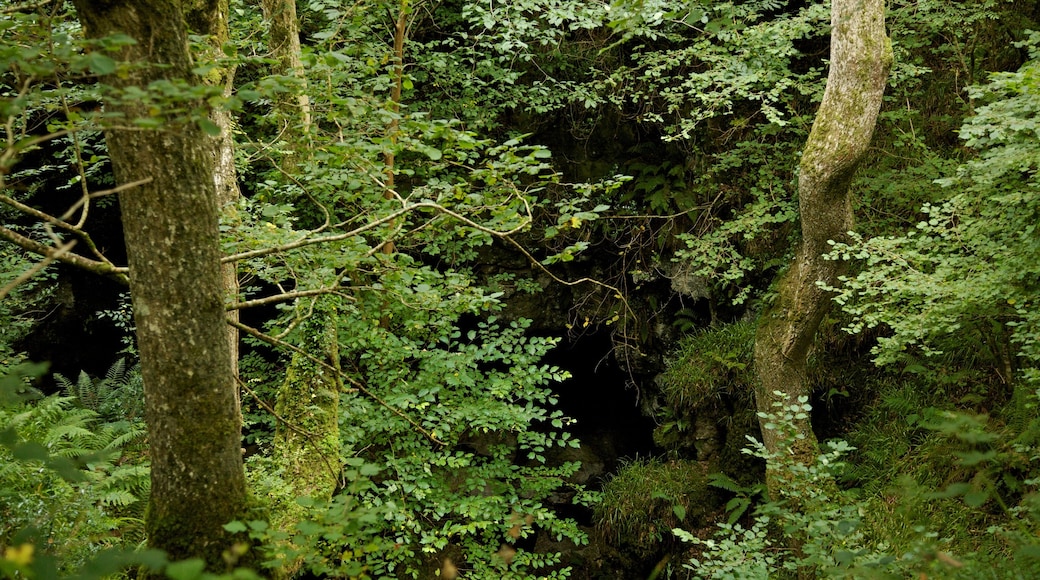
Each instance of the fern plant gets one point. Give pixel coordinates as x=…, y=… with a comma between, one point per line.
x=70, y=483
x=117, y=396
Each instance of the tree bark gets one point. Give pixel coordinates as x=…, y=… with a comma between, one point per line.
x=307, y=445
x=210, y=18
x=171, y=231
x=861, y=56
x=283, y=41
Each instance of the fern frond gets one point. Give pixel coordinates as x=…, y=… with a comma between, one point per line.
x=134, y=433
x=66, y=385
x=74, y=432
x=117, y=372
x=118, y=497
x=37, y=418
x=119, y=395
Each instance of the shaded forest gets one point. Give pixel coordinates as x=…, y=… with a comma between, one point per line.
x=538, y=289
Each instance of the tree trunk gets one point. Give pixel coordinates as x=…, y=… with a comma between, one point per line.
x=307, y=444
x=283, y=41
x=861, y=56
x=210, y=18
x=170, y=227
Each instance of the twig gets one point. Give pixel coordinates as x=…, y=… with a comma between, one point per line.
x=586, y=280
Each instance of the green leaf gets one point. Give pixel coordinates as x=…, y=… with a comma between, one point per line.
x=235, y=527
x=149, y=122
x=433, y=153
x=368, y=469
x=975, y=498
x=209, y=127
x=186, y=570
x=679, y=511
x=101, y=64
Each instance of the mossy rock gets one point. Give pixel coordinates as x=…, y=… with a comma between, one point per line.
x=710, y=365
x=647, y=498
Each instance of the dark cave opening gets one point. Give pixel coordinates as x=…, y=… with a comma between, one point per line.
x=603, y=399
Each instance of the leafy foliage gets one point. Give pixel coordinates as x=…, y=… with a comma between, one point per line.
x=70, y=485
x=828, y=528
x=938, y=287
x=378, y=221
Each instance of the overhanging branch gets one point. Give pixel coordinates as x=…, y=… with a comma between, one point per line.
x=103, y=268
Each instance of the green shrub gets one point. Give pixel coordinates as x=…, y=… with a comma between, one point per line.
x=964, y=526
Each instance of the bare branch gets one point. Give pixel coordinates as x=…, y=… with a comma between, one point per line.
x=287, y=296
x=95, y=266
x=617, y=293
x=369, y=226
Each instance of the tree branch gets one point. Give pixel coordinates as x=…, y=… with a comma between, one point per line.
x=28, y=7
x=369, y=226
x=285, y=297
x=103, y=268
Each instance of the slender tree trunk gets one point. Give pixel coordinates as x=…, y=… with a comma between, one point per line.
x=283, y=41
x=307, y=445
x=210, y=18
x=861, y=56
x=173, y=246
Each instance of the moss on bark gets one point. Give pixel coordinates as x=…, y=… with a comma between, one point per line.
x=172, y=239
x=861, y=57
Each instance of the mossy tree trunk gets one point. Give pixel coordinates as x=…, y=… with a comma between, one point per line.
x=283, y=43
x=171, y=233
x=307, y=444
x=861, y=56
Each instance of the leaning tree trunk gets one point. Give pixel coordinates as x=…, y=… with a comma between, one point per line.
x=170, y=228
x=861, y=56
